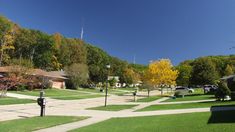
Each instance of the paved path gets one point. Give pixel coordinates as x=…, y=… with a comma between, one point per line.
x=21, y=96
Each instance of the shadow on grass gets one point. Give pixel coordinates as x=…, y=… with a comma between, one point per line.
x=198, y=95
x=222, y=114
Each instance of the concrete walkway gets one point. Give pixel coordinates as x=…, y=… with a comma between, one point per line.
x=21, y=96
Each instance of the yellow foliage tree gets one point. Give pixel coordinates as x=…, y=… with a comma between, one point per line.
x=160, y=73
x=130, y=76
x=7, y=42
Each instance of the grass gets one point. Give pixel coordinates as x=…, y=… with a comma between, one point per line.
x=50, y=92
x=148, y=99
x=9, y=101
x=60, y=94
x=112, y=107
x=191, y=98
x=198, y=94
x=35, y=123
x=193, y=122
x=186, y=105
x=115, y=91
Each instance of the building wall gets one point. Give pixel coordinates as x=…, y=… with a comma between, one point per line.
x=58, y=84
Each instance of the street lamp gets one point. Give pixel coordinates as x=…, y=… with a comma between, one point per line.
x=106, y=89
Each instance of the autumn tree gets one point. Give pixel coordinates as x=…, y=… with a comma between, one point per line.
x=228, y=70
x=130, y=76
x=6, y=43
x=18, y=74
x=160, y=73
x=57, y=38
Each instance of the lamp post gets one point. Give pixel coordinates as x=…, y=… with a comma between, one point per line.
x=106, y=89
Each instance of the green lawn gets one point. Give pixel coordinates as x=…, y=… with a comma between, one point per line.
x=193, y=122
x=9, y=101
x=115, y=91
x=112, y=107
x=191, y=98
x=198, y=94
x=186, y=105
x=51, y=92
x=35, y=123
x=60, y=94
x=148, y=99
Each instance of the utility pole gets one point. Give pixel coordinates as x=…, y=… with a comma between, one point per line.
x=134, y=59
x=81, y=34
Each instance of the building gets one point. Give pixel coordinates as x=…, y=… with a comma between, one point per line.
x=56, y=78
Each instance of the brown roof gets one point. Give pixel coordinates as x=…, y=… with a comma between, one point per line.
x=4, y=69
x=39, y=72
x=57, y=73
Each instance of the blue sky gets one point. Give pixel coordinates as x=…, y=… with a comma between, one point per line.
x=147, y=29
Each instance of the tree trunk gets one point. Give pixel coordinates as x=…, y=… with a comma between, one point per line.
x=1, y=58
x=4, y=92
x=148, y=93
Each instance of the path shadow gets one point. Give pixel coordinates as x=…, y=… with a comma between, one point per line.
x=222, y=114
x=24, y=116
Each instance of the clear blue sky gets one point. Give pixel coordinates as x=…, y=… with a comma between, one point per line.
x=148, y=29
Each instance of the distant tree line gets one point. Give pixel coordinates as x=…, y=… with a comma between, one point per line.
x=205, y=70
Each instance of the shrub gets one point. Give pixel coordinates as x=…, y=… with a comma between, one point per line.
x=222, y=91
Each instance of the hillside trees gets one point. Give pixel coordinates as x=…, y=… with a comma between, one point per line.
x=184, y=76
x=130, y=76
x=117, y=68
x=204, y=72
x=7, y=31
x=228, y=70
x=97, y=60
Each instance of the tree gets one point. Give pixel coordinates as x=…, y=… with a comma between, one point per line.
x=78, y=74
x=18, y=74
x=72, y=51
x=130, y=76
x=112, y=82
x=204, y=72
x=160, y=74
x=228, y=70
x=6, y=83
x=6, y=43
x=97, y=59
x=222, y=91
x=148, y=87
x=117, y=68
x=25, y=43
x=184, y=76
